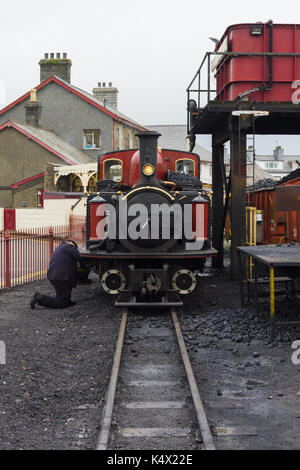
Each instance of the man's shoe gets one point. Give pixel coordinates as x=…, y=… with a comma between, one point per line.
x=71, y=303
x=35, y=300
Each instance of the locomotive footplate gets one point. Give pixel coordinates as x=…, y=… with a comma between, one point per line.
x=166, y=300
x=175, y=254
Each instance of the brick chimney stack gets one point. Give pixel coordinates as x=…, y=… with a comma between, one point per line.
x=107, y=94
x=59, y=66
x=33, y=110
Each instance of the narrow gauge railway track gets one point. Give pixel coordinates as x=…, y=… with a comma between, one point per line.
x=151, y=403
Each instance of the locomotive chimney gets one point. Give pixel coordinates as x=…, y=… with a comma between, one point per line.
x=148, y=156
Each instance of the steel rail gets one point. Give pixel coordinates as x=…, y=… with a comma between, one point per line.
x=108, y=409
x=201, y=416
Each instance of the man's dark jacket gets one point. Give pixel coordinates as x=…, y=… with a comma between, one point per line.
x=62, y=266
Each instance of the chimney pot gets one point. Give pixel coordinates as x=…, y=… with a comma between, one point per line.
x=108, y=95
x=33, y=95
x=60, y=67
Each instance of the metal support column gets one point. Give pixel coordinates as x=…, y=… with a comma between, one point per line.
x=238, y=162
x=217, y=201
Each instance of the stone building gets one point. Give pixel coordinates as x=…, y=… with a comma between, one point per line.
x=75, y=115
x=28, y=155
x=278, y=165
x=63, y=124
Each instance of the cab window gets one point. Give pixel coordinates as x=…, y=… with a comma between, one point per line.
x=113, y=170
x=187, y=167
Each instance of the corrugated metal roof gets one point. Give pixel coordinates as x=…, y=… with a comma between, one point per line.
x=57, y=144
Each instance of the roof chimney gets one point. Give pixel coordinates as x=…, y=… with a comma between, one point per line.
x=278, y=153
x=59, y=66
x=33, y=110
x=107, y=94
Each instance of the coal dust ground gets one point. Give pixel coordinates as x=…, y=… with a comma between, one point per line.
x=58, y=365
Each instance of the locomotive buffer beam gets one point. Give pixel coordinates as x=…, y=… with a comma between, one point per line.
x=167, y=299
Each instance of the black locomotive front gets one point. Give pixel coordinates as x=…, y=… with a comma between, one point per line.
x=138, y=234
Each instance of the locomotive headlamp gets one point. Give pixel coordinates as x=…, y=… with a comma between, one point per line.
x=148, y=169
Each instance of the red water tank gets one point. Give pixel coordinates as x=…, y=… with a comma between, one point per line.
x=271, y=77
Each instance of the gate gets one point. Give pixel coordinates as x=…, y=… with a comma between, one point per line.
x=9, y=219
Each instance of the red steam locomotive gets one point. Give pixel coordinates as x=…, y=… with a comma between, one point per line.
x=148, y=226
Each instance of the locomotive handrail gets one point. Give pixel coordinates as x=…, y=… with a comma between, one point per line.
x=153, y=188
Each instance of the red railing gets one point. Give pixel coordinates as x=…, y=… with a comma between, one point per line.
x=25, y=254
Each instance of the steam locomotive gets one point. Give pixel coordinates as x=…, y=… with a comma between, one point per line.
x=148, y=226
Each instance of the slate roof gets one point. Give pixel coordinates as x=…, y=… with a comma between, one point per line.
x=51, y=142
x=82, y=94
x=114, y=111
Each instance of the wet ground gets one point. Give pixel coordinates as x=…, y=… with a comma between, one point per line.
x=58, y=364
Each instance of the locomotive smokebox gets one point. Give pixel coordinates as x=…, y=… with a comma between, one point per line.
x=148, y=157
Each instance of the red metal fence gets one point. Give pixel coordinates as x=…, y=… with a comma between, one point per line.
x=25, y=254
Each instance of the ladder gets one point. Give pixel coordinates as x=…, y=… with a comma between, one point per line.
x=246, y=171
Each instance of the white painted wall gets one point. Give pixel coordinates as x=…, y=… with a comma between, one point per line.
x=205, y=173
x=55, y=212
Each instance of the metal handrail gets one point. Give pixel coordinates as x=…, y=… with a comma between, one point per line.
x=208, y=91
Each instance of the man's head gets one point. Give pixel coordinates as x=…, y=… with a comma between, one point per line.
x=72, y=242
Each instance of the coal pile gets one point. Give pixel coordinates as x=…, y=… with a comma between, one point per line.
x=184, y=181
x=210, y=317
x=265, y=183
x=291, y=176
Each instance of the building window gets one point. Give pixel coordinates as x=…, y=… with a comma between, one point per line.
x=113, y=170
x=185, y=166
x=91, y=139
x=271, y=165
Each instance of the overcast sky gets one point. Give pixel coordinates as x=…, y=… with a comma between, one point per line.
x=149, y=49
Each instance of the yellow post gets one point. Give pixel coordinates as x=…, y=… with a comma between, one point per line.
x=272, y=292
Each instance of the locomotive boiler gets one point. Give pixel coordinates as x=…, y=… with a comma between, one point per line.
x=148, y=226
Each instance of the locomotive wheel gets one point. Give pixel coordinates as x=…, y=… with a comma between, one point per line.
x=113, y=281
x=184, y=281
